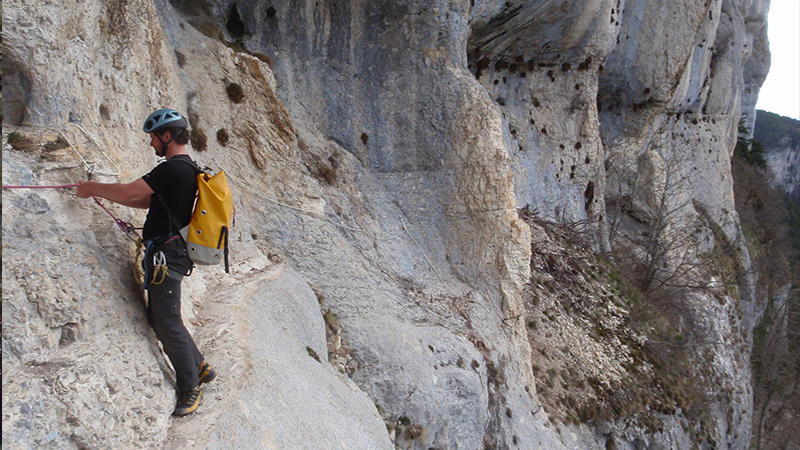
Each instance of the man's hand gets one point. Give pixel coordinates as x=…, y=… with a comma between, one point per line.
x=85, y=189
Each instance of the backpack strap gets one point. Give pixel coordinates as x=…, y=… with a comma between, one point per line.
x=172, y=219
x=190, y=161
x=224, y=235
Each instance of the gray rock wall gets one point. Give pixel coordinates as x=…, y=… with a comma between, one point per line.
x=381, y=153
x=784, y=164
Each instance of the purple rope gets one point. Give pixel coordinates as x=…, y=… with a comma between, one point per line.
x=124, y=226
x=41, y=187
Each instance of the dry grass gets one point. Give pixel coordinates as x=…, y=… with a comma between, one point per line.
x=199, y=140
x=600, y=348
x=21, y=142
x=235, y=93
x=222, y=137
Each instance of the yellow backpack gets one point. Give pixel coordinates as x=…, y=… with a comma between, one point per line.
x=208, y=232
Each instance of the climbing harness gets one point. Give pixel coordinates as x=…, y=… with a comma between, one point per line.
x=160, y=267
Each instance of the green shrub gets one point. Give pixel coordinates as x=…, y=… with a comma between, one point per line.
x=19, y=141
x=14, y=136
x=749, y=150
x=312, y=353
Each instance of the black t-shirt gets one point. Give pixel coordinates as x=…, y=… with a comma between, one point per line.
x=176, y=181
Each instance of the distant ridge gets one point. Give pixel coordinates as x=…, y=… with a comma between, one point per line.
x=771, y=129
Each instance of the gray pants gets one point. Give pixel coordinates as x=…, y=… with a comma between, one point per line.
x=164, y=307
x=164, y=311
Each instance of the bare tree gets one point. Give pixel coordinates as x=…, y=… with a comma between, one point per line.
x=654, y=223
x=777, y=378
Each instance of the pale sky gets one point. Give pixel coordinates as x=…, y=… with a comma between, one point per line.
x=780, y=93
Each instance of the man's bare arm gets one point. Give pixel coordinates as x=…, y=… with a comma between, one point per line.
x=138, y=202
x=135, y=194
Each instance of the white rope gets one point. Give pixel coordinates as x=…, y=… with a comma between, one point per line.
x=405, y=230
x=315, y=215
x=99, y=147
x=89, y=168
x=421, y=251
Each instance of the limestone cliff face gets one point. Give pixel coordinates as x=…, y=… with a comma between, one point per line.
x=782, y=152
x=379, y=158
x=784, y=163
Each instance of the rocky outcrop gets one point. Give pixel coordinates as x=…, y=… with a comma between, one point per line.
x=784, y=164
x=379, y=154
x=779, y=138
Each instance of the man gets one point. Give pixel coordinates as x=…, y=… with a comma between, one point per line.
x=168, y=192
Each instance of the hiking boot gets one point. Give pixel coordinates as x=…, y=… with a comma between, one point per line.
x=206, y=373
x=188, y=401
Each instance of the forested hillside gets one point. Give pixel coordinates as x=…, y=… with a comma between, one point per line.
x=771, y=129
x=770, y=218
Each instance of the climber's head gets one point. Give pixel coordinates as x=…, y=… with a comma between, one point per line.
x=165, y=126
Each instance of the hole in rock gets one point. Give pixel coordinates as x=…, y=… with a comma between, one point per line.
x=234, y=25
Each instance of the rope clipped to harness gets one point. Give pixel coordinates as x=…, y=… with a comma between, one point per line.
x=126, y=227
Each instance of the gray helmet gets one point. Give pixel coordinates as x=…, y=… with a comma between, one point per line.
x=164, y=118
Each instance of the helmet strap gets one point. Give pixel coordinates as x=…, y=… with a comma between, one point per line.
x=172, y=138
x=164, y=145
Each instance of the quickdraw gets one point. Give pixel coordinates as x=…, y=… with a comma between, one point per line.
x=159, y=268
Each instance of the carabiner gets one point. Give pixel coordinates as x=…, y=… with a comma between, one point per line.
x=159, y=265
